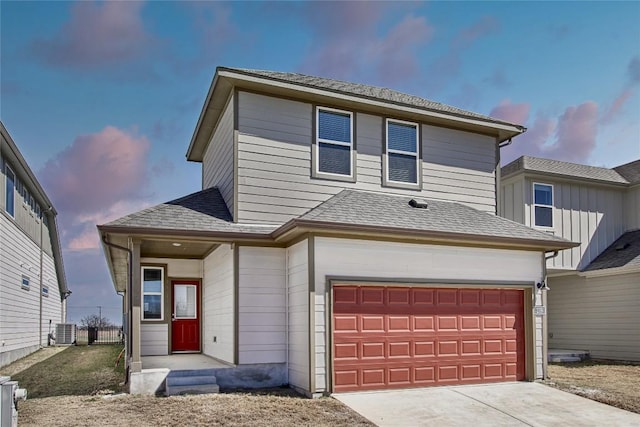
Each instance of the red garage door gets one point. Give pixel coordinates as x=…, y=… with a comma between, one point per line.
x=393, y=337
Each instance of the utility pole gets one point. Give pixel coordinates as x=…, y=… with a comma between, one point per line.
x=100, y=316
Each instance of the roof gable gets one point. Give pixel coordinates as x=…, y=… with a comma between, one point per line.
x=630, y=171
x=343, y=94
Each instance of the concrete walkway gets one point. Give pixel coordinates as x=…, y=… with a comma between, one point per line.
x=505, y=404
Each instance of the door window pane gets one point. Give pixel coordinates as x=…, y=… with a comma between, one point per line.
x=185, y=301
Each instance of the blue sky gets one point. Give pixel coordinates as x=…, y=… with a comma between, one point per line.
x=102, y=97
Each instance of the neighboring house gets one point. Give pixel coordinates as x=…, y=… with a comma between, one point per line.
x=595, y=287
x=345, y=238
x=33, y=288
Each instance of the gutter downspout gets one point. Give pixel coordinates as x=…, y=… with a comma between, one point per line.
x=43, y=213
x=129, y=298
x=545, y=318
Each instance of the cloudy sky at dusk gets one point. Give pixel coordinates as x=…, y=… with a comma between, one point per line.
x=102, y=97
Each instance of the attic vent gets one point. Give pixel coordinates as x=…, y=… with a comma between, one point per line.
x=420, y=204
x=623, y=247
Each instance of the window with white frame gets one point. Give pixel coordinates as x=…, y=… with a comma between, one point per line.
x=402, y=152
x=152, y=293
x=45, y=291
x=25, y=283
x=334, y=136
x=10, y=182
x=543, y=205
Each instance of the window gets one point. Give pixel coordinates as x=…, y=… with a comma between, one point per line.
x=403, y=158
x=334, y=136
x=26, y=283
x=543, y=205
x=152, y=293
x=10, y=181
x=45, y=291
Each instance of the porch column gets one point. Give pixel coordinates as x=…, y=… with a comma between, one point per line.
x=136, y=315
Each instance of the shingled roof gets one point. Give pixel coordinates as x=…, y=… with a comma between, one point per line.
x=630, y=171
x=566, y=169
x=386, y=211
x=206, y=212
x=623, y=253
x=203, y=211
x=367, y=91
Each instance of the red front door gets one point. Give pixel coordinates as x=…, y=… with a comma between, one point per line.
x=185, y=314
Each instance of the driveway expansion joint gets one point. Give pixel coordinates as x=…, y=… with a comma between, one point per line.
x=493, y=407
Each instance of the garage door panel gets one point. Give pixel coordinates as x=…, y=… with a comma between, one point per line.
x=415, y=337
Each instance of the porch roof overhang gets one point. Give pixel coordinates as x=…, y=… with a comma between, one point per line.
x=163, y=243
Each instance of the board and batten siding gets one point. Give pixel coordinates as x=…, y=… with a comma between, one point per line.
x=19, y=308
x=274, y=162
x=589, y=214
x=394, y=261
x=262, y=335
x=218, y=304
x=632, y=208
x=217, y=164
x=154, y=339
x=298, y=314
x=598, y=314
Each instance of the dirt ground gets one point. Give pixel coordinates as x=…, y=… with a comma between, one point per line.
x=88, y=402
x=234, y=409
x=615, y=384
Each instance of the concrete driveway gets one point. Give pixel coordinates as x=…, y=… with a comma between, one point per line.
x=505, y=404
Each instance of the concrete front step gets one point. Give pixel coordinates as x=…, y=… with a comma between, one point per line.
x=192, y=389
x=193, y=381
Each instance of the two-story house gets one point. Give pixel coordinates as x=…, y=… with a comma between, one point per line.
x=345, y=238
x=595, y=287
x=33, y=288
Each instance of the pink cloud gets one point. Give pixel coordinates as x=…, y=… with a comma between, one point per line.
x=617, y=106
x=513, y=113
x=96, y=35
x=571, y=137
x=348, y=41
x=98, y=178
x=98, y=170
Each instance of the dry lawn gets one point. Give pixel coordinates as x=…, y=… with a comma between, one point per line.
x=615, y=384
x=233, y=409
x=73, y=388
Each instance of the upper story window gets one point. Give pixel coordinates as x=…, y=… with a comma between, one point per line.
x=402, y=147
x=152, y=293
x=10, y=182
x=543, y=205
x=334, y=138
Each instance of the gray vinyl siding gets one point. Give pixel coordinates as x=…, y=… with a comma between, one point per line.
x=598, y=314
x=298, y=315
x=632, y=208
x=24, y=217
x=217, y=164
x=19, y=308
x=274, y=162
x=218, y=307
x=262, y=330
